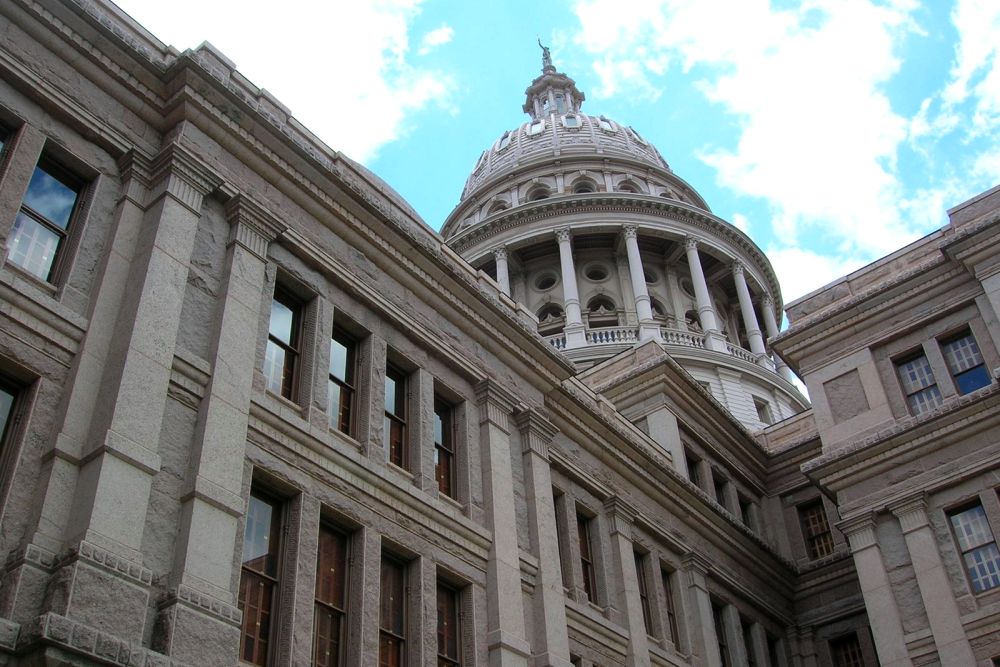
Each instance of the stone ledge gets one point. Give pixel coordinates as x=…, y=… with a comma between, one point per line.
x=204, y=603
x=95, y=555
x=55, y=630
x=8, y=633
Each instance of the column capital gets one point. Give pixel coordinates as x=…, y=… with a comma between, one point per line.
x=178, y=172
x=563, y=234
x=629, y=231
x=690, y=243
x=536, y=432
x=737, y=268
x=859, y=531
x=251, y=226
x=621, y=516
x=911, y=512
x=500, y=253
x=695, y=563
x=495, y=403
x=767, y=301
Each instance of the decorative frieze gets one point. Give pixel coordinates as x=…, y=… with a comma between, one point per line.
x=859, y=531
x=912, y=513
x=251, y=226
x=536, y=433
x=495, y=403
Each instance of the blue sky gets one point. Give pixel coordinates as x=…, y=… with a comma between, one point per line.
x=832, y=131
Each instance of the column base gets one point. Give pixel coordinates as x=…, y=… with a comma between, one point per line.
x=764, y=361
x=507, y=650
x=576, y=336
x=648, y=330
x=194, y=628
x=548, y=660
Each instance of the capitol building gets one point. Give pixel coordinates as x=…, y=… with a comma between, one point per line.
x=255, y=411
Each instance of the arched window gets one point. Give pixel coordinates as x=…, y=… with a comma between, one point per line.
x=583, y=186
x=571, y=121
x=504, y=140
x=560, y=103
x=628, y=186
x=538, y=192
x=659, y=312
x=497, y=206
x=551, y=319
x=692, y=321
x=602, y=312
x=605, y=124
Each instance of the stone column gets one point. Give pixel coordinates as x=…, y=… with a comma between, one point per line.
x=880, y=601
x=939, y=598
x=505, y=626
x=503, y=276
x=758, y=645
x=571, y=298
x=771, y=327
x=698, y=607
x=664, y=430
x=734, y=636
x=746, y=308
x=624, y=584
x=213, y=503
x=706, y=312
x=551, y=643
x=647, y=327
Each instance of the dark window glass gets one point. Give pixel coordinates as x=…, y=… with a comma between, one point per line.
x=763, y=411
x=392, y=614
x=586, y=557
x=7, y=396
x=340, y=398
x=746, y=512
x=259, y=577
x=846, y=651
x=561, y=537
x=748, y=644
x=978, y=547
x=965, y=362
x=448, y=631
x=331, y=598
x=43, y=221
x=692, y=467
x=668, y=593
x=281, y=356
x=444, y=448
x=720, y=489
x=395, y=416
x=917, y=378
x=816, y=530
x=720, y=634
x=640, y=575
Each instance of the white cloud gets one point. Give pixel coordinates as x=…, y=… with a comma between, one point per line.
x=976, y=69
x=818, y=137
x=435, y=38
x=741, y=223
x=346, y=75
x=801, y=270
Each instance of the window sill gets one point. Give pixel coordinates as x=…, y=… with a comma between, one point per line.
x=285, y=402
x=400, y=471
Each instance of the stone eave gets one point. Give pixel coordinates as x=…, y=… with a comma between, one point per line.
x=611, y=203
x=906, y=440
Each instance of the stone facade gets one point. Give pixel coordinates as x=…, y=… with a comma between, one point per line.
x=256, y=411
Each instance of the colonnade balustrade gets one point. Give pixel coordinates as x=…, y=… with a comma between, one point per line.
x=576, y=334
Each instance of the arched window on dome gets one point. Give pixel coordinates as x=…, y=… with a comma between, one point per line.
x=602, y=312
x=571, y=120
x=504, y=141
x=692, y=321
x=637, y=137
x=605, y=124
x=538, y=193
x=560, y=103
x=659, y=312
x=629, y=186
x=551, y=319
x=583, y=186
x=497, y=206
x=536, y=128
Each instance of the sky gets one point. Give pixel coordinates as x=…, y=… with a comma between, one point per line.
x=831, y=131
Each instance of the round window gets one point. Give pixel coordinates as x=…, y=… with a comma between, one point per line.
x=651, y=277
x=687, y=286
x=596, y=272
x=544, y=282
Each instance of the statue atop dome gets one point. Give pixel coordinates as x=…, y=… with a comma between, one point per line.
x=547, y=65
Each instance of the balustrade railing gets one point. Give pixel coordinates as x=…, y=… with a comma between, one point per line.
x=557, y=341
x=738, y=351
x=680, y=337
x=608, y=335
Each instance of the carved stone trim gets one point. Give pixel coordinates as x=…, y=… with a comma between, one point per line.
x=859, y=531
x=252, y=226
x=495, y=403
x=911, y=512
x=187, y=595
x=500, y=253
x=629, y=231
x=738, y=269
x=94, y=555
x=621, y=516
x=179, y=173
x=536, y=432
x=563, y=234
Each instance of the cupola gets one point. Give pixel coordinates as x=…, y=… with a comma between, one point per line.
x=552, y=92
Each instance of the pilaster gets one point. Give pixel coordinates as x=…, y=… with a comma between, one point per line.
x=704, y=643
x=932, y=579
x=505, y=626
x=734, y=636
x=624, y=587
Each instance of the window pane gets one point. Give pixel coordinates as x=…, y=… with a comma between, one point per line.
x=924, y=401
x=282, y=317
x=915, y=374
x=972, y=379
x=331, y=568
x=393, y=594
x=51, y=197
x=326, y=650
x=962, y=353
x=447, y=623
x=256, y=593
x=260, y=536
x=33, y=246
x=972, y=528
x=275, y=365
x=984, y=567
x=341, y=363
x=6, y=403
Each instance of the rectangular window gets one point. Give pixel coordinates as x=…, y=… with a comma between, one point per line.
x=640, y=575
x=341, y=387
x=693, y=463
x=720, y=488
x=561, y=537
x=748, y=643
x=816, y=530
x=720, y=635
x=668, y=593
x=846, y=651
x=746, y=511
x=763, y=411
x=918, y=382
x=586, y=557
x=978, y=547
x=43, y=221
x=444, y=448
x=448, y=630
x=331, y=598
x=772, y=650
x=282, y=356
x=392, y=614
x=7, y=397
x=259, y=577
x=395, y=416
x=965, y=362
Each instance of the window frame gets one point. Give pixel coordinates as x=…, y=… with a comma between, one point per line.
x=455, y=594
x=247, y=574
x=810, y=540
x=850, y=641
x=931, y=389
x=56, y=169
x=348, y=384
x=398, y=417
x=945, y=341
x=671, y=628
x=390, y=561
x=446, y=449
x=961, y=552
x=330, y=606
x=292, y=349
x=588, y=563
x=643, y=586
